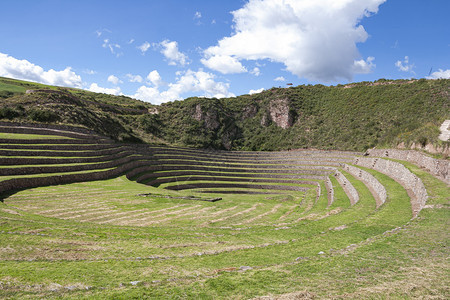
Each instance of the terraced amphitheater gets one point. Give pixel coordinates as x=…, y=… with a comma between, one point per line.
x=84, y=216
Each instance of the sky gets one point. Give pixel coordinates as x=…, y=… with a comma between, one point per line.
x=164, y=50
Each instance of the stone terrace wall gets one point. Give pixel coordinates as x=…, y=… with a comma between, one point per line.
x=73, y=160
x=413, y=185
x=375, y=187
x=49, y=126
x=437, y=167
x=330, y=191
x=53, y=141
x=212, y=178
x=288, y=160
x=47, y=131
x=152, y=176
x=349, y=189
x=32, y=182
x=29, y=170
x=142, y=170
x=236, y=185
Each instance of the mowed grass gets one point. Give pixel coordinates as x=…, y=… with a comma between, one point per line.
x=21, y=136
x=102, y=240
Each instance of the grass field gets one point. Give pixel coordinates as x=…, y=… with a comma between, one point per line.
x=99, y=239
x=121, y=239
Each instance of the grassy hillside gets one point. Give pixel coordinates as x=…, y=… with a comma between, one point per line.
x=351, y=117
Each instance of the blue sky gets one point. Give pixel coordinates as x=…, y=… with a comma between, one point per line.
x=160, y=51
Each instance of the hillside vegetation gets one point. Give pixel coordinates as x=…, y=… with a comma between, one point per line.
x=356, y=116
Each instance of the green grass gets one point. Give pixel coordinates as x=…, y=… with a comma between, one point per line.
x=48, y=240
x=20, y=136
x=102, y=239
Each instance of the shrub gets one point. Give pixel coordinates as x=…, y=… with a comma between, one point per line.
x=8, y=113
x=150, y=123
x=41, y=115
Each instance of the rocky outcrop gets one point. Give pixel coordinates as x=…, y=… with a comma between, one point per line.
x=280, y=113
x=430, y=148
x=445, y=131
x=210, y=117
x=249, y=112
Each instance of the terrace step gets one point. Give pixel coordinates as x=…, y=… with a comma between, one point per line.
x=412, y=184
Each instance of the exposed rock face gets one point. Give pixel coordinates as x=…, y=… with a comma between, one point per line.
x=265, y=121
x=153, y=111
x=210, y=118
x=445, y=131
x=249, y=112
x=280, y=113
x=430, y=148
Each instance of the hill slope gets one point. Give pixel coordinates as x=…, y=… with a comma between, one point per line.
x=351, y=117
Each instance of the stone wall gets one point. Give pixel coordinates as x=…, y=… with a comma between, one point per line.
x=152, y=168
x=288, y=160
x=102, y=152
x=52, y=141
x=330, y=191
x=412, y=184
x=376, y=188
x=349, y=189
x=74, y=160
x=229, y=179
x=256, y=155
x=146, y=176
x=29, y=170
x=50, y=126
x=437, y=167
x=31, y=182
x=236, y=185
x=80, y=147
x=45, y=131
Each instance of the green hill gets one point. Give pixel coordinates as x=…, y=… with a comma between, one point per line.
x=86, y=213
x=355, y=116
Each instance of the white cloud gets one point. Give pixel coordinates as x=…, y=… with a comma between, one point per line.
x=256, y=91
x=364, y=66
x=131, y=41
x=171, y=52
x=134, y=78
x=148, y=94
x=256, y=71
x=404, y=65
x=154, y=78
x=313, y=39
x=144, y=47
x=114, y=80
x=99, y=32
x=97, y=89
x=197, y=15
x=112, y=47
x=280, y=78
x=90, y=72
x=224, y=64
x=23, y=69
x=440, y=74
x=200, y=82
